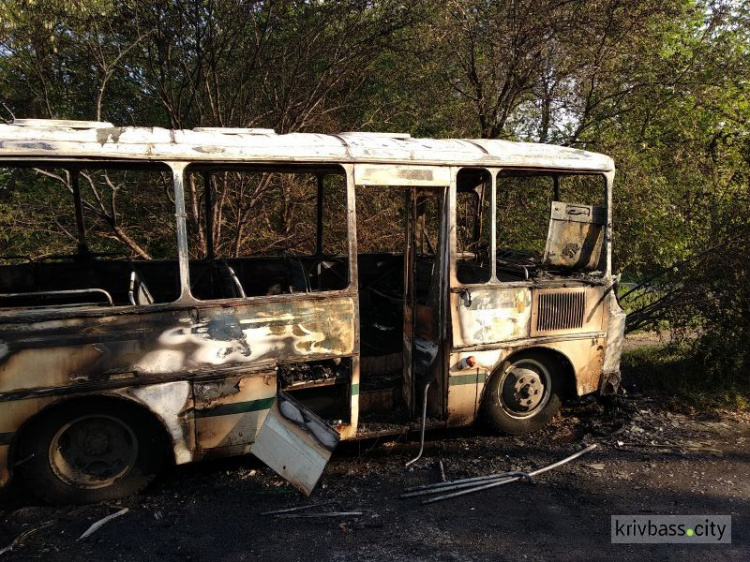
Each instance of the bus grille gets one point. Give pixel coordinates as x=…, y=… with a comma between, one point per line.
x=560, y=311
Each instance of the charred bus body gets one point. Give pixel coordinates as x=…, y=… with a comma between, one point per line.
x=119, y=354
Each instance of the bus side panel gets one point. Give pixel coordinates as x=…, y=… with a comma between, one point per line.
x=349, y=431
x=172, y=404
x=277, y=329
x=152, y=356
x=490, y=323
x=465, y=386
x=586, y=356
x=77, y=353
x=12, y=417
x=230, y=411
x=129, y=349
x=487, y=315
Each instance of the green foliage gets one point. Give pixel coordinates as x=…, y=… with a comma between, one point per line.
x=685, y=377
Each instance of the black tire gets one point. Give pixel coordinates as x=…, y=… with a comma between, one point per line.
x=87, y=451
x=523, y=395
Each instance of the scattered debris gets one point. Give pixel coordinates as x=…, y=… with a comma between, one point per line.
x=291, y=375
x=99, y=524
x=463, y=483
x=18, y=541
x=479, y=483
x=661, y=447
x=442, y=472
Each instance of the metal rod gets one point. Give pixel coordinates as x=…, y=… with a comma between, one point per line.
x=463, y=492
x=457, y=481
x=509, y=480
x=60, y=293
x=459, y=486
x=424, y=423
x=312, y=515
x=298, y=508
x=564, y=461
x=467, y=483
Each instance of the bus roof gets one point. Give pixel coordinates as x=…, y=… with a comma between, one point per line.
x=56, y=139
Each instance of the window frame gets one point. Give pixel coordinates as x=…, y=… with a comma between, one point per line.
x=347, y=174
x=78, y=165
x=495, y=171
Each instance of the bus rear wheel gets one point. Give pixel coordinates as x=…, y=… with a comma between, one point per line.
x=86, y=452
x=522, y=396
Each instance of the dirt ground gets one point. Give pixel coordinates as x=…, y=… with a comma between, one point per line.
x=649, y=461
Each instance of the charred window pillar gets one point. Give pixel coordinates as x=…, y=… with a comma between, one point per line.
x=351, y=228
x=610, y=176
x=83, y=247
x=178, y=172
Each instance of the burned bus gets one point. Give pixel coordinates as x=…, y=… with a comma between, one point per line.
x=173, y=295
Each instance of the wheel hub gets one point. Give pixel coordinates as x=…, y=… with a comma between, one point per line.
x=523, y=390
x=96, y=443
x=93, y=452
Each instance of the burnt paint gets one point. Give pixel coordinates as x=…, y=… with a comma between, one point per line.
x=127, y=349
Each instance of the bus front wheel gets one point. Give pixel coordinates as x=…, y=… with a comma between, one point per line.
x=86, y=452
x=522, y=396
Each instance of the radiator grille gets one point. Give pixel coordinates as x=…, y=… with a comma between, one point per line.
x=560, y=311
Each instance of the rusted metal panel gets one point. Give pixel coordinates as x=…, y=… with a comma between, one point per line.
x=231, y=410
x=465, y=384
x=576, y=237
x=349, y=431
x=586, y=355
x=483, y=315
x=295, y=443
x=14, y=414
x=615, y=338
x=172, y=404
x=131, y=346
x=153, y=357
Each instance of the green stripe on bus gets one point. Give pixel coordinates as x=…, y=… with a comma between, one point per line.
x=355, y=389
x=466, y=379
x=6, y=438
x=237, y=408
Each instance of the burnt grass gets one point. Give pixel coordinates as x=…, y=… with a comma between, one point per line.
x=649, y=460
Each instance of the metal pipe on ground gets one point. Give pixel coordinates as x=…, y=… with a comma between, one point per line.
x=502, y=482
x=458, y=485
x=437, y=485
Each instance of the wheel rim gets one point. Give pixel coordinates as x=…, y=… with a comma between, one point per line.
x=525, y=388
x=93, y=451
